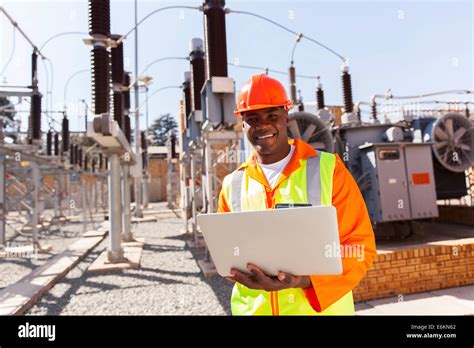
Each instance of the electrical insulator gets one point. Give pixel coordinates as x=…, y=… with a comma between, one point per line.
x=71, y=154
x=143, y=140
x=100, y=62
x=145, y=160
x=118, y=74
x=49, y=143
x=292, y=76
x=373, y=109
x=126, y=94
x=34, y=121
x=300, y=101
x=187, y=96
x=99, y=17
x=79, y=156
x=93, y=165
x=56, y=144
x=65, y=134
x=127, y=130
x=197, y=73
x=347, y=89
x=106, y=163
x=144, y=146
x=118, y=109
x=118, y=79
x=34, y=68
x=173, y=145
x=468, y=114
x=86, y=159
x=100, y=161
x=215, y=38
x=320, y=96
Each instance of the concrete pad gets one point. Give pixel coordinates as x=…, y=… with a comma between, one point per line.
x=95, y=233
x=207, y=268
x=19, y=297
x=200, y=243
x=137, y=242
x=44, y=249
x=426, y=303
x=144, y=219
x=132, y=253
x=463, y=295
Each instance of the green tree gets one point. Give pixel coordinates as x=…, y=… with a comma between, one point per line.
x=160, y=128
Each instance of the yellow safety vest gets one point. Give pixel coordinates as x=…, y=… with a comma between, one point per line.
x=304, y=185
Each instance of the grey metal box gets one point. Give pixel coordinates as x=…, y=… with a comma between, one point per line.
x=421, y=182
x=401, y=181
x=194, y=126
x=218, y=108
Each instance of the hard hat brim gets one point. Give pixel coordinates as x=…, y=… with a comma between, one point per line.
x=288, y=105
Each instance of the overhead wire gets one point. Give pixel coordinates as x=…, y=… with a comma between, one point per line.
x=271, y=70
x=12, y=52
x=289, y=30
x=123, y=37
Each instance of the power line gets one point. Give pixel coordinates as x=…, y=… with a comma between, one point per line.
x=152, y=13
x=271, y=70
x=13, y=51
x=289, y=30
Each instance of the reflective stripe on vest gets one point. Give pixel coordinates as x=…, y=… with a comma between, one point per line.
x=311, y=183
x=236, y=190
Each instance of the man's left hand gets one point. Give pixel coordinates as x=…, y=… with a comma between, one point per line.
x=260, y=281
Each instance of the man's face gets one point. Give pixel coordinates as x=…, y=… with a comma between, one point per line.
x=266, y=129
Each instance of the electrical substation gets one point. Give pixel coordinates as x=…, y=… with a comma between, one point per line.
x=412, y=157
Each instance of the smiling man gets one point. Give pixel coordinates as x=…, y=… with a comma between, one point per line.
x=276, y=172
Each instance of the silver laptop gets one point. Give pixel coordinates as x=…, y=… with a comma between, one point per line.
x=299, y=241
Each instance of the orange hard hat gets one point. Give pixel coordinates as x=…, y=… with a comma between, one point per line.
x=261, y=92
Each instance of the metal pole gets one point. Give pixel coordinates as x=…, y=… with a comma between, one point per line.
x=127, y=226
x=185, y=198
x=85, y=116
x=138, y=173
x=84, y=206
x=145, y=186
x=35, y=213
x=115, y=251
x=3, y=209
x=146, y=112
x=103, y=195
x=60, y=192
x=96, y=205
x=209, y=186
x=193, y=197
x=56, y=197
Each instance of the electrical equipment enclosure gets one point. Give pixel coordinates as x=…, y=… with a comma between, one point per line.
x=401, y=181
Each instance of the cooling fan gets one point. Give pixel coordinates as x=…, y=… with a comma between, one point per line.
x=309, y=128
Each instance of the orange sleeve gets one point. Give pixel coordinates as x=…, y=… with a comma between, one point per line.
x=355, y=234
x=222, y=206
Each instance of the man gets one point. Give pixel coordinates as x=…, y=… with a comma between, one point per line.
x=278, y=172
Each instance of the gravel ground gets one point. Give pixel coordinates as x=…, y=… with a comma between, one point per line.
x=14, y=267
x=169, y=281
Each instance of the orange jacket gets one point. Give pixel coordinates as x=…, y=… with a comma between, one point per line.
x=354, y=224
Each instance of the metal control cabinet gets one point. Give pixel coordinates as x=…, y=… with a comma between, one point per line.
x=398, y=181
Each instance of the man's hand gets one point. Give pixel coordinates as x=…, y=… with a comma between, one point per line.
x=260, y=281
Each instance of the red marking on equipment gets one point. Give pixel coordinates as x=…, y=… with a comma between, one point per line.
x=421, y=178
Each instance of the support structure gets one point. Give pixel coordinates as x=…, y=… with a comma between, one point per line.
x=115, y=251
x=2, y=201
